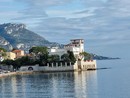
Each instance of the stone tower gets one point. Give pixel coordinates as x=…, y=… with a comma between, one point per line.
x=79, y=43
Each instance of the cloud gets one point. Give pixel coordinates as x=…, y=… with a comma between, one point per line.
x=99, y=22
x=36, y=9
x=46, y=3
x=6, y=1
x=94, y=3
x=6, y=16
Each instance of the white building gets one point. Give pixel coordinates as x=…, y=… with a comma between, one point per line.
x=10, y=55
x=57, y=51
x=76, y=46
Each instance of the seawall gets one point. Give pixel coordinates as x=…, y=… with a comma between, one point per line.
x=14, y=73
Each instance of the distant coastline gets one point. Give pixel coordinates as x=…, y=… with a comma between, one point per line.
x=107, y=58
x=97, y=57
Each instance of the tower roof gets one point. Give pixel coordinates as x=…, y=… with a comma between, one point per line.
x=76, y=39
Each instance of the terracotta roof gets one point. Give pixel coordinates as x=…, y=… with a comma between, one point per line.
x=16, y=51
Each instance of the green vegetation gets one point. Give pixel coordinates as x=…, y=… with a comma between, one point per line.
x=39, y=55
x=65, y=57
x=2, y=51
x=86, y=56
x=68, y=57
x=39, y=50
x=19, y=62
x=53, y=58
x=71, y=56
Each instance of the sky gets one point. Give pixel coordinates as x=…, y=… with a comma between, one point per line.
x=103, y=24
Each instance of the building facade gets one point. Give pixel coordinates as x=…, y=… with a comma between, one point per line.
x=57, y=51
x=76, y=46
x=10, y=55
x=18, y=53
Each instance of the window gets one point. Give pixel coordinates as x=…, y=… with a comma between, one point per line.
x=68, y=64
x=59, y=64
x=54, y=64
x=63, y=63
x=50, y=65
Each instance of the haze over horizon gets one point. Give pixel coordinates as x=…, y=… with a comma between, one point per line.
x=103, y=24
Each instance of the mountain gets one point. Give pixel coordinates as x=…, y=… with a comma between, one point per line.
x=98, y=57
x=18, y=36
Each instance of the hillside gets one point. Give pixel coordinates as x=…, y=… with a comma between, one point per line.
x=18, y=36
x=98, y=57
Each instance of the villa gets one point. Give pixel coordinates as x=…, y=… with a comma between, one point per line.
x=10, y=55
x=77, y=47
x=18, y=53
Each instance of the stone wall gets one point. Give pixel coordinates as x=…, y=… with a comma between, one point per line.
x=78, y=66
x=51, y=67
x=87, y=65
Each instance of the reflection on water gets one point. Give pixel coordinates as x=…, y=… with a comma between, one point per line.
x=86, y=84
x=103, y=83
x=50, y=85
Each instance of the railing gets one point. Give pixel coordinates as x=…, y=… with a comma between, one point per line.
x=60, y=64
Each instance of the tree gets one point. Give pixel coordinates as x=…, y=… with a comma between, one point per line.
x=40, y=54
x=23, y=61
x=43, y=59
x=65, y=57
x=68, y=57
x=53, y=58
x=85, y=55
x=71, y=56
x=7, y=62
x=17, y=64
x=26, y=60
x=3, y=54
x=38, y=50
x=2, y=51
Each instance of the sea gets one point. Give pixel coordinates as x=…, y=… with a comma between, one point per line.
x=110, y=80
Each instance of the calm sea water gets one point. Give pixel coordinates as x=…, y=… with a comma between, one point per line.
x=113, y=82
